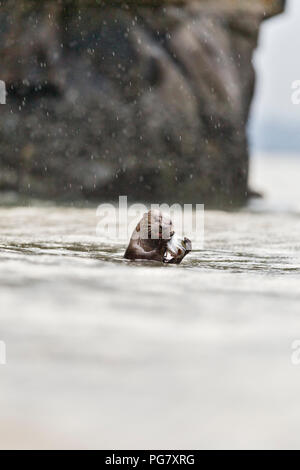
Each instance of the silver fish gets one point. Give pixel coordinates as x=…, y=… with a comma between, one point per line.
x=177, y=249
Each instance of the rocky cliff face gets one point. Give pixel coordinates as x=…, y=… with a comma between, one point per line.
x=148, y=99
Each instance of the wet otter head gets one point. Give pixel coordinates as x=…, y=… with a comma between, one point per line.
x=150, y=237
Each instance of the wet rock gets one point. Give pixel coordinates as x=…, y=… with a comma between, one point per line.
x=147, y=99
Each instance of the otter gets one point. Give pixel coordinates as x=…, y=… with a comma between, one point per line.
x=150, y=237
x=154, y=237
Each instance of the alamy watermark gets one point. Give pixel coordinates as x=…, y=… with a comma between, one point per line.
x=118, y=222
x=2, y=353
x=2, y=92
x=295, y=97
x=295, y=356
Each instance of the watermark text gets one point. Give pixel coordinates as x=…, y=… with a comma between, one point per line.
x=2, y=353
x=2, y=92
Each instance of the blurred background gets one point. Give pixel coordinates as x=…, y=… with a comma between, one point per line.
x=274, y=120
x=159, y=103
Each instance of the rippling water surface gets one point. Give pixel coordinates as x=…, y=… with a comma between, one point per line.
x=106, y=353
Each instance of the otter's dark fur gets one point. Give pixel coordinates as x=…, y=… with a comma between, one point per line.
x=150, y=237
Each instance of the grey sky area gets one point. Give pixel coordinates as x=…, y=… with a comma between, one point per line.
x=275, y=121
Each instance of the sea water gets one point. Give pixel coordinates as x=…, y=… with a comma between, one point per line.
x=106, y=353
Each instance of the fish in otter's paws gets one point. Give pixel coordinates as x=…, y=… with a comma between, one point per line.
x=154, y=239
